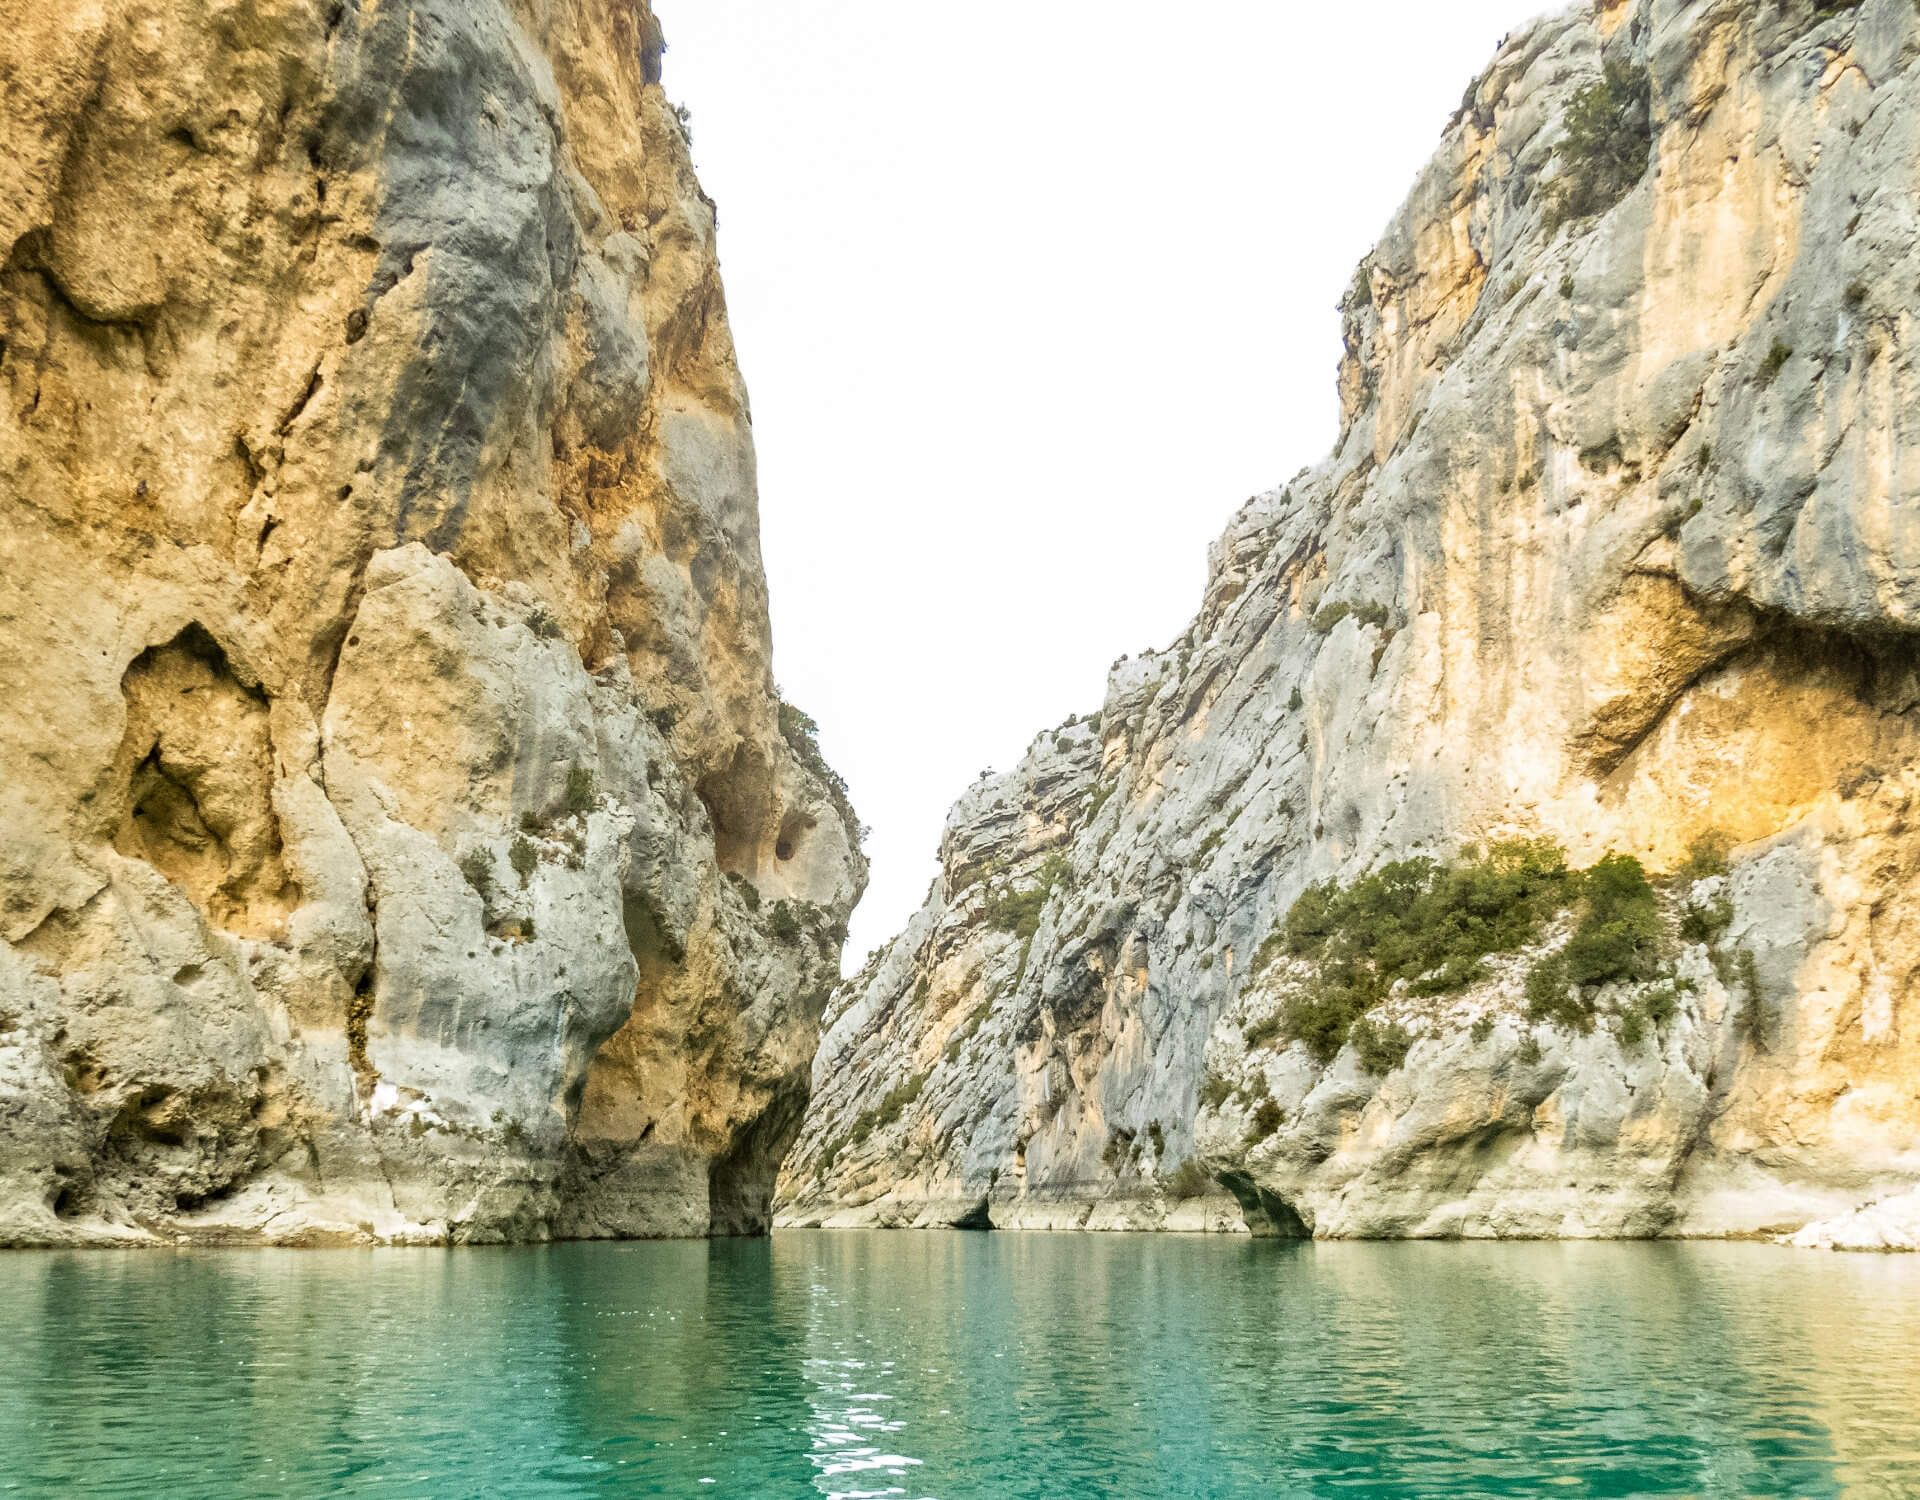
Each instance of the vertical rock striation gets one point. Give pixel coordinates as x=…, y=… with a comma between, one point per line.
x=1619, y=552
x=402, y=837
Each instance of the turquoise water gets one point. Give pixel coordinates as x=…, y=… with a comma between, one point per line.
x=962, y=1366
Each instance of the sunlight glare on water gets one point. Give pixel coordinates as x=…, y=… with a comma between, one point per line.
x=962, y=1367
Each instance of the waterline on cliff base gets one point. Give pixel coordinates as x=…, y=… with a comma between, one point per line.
x=964, y=1367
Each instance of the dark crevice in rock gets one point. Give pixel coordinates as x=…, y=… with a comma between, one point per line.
x=740, y=1181
x=980, y=1216
x=196, y=768
x=1268, y=1215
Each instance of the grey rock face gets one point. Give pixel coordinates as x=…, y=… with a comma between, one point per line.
x=404, y=839
x=1616, y=550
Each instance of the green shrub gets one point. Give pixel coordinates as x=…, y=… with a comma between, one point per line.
x=1380, y=1049
x=1750, y=1018
x=784, y=923
x=1118, y=1148
x=1633, y=1028
x=1017, y=911
x=1619, y=932
x=1206, y=962
x=1159, y=1138
x=1207, y=845
x=1189, y=1180
x=1294, y=700
x=1482, y=1027
x=1214, y=1091
x=802, y=737
x=523, y=857
x=1661, y=1003
x=1706, y=855
x=1530, y=1050
x=1702, y=924
x=897, y=1099
x=1323, y=1017
x=664, y=719
x=888, y=1111
x=1417, y=920
x=1552, y=997
x=1775, y=362
x=1330, y=615
x=543, y=624
x=1604, y=152
x=579, y=790
x=1268, y=1118
x=477, y=866
x=747, y=890
x=1264, y=1030
x=1273, y=946
x=1566, y=287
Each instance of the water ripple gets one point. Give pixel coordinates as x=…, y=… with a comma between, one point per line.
x=963, y=1367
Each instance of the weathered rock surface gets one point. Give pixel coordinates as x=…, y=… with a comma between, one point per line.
x=403, y=838
x=1620, y=547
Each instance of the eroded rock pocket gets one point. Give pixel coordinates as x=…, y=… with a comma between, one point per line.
x=196, y=766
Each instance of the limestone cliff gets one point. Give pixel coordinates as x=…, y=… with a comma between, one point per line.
x=402, y=838
x=1619, y=552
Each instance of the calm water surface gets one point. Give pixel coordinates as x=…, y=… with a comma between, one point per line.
x=961, y=1366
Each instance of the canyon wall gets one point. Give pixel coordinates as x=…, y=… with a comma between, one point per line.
x=1618, y=554
x=402, y=836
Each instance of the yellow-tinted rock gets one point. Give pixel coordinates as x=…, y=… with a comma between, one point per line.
x=385, y=689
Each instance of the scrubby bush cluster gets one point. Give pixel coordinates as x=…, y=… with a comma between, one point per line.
x=1617, y=938
x=1018, y=911
x=1367, y=612
x=1604, y=152
x=1415, y=920
x=1431, y=927
x=802, y=736
x=888, y=1111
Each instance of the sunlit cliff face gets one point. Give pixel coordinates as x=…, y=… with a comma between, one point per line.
x=394, y=763
x=1617, y=551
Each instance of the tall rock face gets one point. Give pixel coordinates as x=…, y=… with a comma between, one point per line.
x=403, y=838
x=1620, y=553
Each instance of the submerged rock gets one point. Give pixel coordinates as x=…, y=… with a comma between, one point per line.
x=1619, y=551
x=403, y=838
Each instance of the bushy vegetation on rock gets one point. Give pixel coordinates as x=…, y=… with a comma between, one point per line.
x=802, y=736
x=1428, y=928
x=1018, y=911
x=1188, y=1180
x=888, y=1111
x=1609, y=135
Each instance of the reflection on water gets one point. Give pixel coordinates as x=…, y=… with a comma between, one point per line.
x=961, y=1366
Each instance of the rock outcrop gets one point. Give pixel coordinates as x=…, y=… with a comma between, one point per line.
x=403, y=838
x=1619, y=553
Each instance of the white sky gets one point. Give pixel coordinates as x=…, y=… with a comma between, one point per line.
x=1029, y=298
